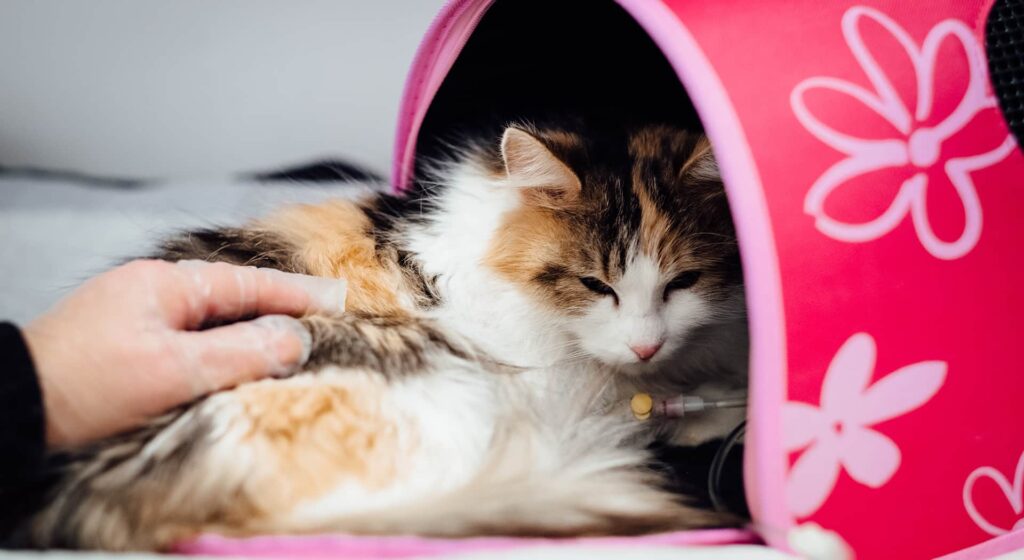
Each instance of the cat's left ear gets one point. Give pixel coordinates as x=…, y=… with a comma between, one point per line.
x=545, y=180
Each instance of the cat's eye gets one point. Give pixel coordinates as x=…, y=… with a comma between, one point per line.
x=684, y=281
x=598, y=287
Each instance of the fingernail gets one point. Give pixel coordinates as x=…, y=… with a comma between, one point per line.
x=328, y=294
x=283, y=323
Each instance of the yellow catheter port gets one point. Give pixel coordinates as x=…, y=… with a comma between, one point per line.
x=641, y=404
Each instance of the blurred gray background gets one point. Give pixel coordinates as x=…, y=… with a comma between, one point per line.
x=191, y=88
x=190, y=94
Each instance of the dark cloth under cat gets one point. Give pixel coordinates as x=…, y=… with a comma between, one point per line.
x=686, y=470
x=22, y=439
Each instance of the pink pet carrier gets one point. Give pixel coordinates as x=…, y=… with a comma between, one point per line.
x=877, y=191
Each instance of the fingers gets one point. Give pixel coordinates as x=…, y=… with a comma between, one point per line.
x=325, y=294
x=220, y=291
x=214, y=359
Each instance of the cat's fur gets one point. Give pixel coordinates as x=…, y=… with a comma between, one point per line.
x=475, y=384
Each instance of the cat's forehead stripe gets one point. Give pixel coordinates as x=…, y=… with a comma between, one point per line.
x=658, y=235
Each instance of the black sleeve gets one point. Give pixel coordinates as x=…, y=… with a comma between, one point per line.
x=22, y=428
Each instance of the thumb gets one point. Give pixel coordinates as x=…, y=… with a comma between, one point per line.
x=225, y=356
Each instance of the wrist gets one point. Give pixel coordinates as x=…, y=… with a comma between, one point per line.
x=59, y=427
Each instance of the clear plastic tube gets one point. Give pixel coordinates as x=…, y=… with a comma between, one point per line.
x=644, y=406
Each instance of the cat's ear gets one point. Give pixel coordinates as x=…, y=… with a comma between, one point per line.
x=544, y=179
x=701, y=165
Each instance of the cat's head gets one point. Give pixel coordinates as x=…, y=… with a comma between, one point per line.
x=625, y=241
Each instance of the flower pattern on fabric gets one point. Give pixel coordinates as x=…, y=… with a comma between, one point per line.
x=1014, y=494
x=838, y=433
x=916, y=150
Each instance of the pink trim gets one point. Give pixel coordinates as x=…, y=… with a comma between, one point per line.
x=434, y=58
x=1005, y=544
x=764, y=463
x=342, y=546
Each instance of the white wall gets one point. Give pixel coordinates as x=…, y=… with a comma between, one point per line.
x=172, y=88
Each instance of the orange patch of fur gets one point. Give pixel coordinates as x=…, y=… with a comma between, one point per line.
x=525, y=242
x=529, y=240
x=334, y=240
x=319, y=435
x=656, y=234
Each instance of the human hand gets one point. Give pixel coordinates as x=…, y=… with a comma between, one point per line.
x=125, y=346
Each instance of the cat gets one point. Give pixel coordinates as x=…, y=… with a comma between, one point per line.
x=497, y=317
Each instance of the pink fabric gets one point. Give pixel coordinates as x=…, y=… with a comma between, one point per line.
x=350, y=548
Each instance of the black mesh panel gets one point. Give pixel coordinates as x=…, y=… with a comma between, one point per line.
x=1004, y=42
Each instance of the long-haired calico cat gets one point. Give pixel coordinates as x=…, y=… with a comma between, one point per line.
x=496, y=317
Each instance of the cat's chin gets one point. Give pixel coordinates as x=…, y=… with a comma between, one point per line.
x=638, y=368
x=618, y=366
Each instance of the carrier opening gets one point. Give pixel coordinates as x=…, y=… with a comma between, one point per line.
x=536, y=61
x=531, y=60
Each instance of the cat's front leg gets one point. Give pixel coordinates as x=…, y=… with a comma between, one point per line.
x=394, y=346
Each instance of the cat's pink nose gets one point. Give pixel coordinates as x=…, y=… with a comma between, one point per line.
x=645, y=351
